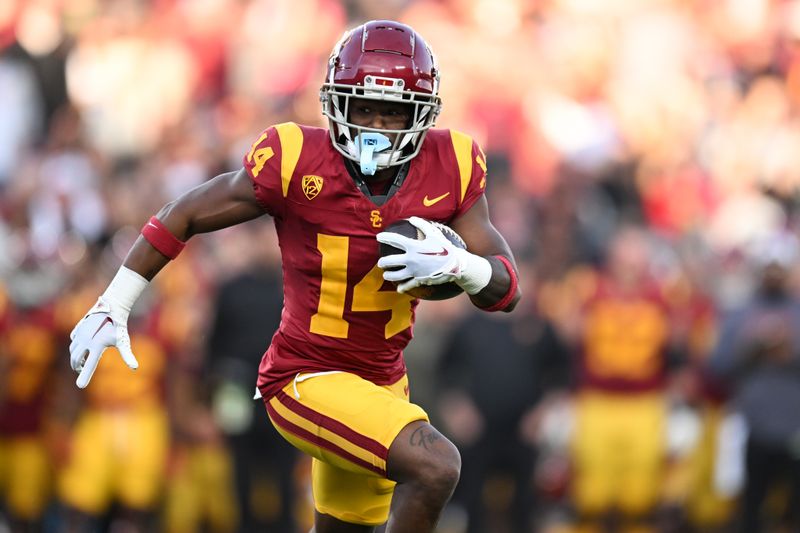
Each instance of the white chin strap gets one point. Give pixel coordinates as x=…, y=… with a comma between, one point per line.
x=367, y=149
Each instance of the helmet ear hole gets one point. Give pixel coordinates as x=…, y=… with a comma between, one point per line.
x=386, y=61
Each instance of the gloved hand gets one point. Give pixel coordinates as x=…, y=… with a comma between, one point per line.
x=432, y=260
x=103, y=326
x=106, y=324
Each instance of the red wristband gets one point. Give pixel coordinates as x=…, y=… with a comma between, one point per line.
x=162, y=239
x=512, y=287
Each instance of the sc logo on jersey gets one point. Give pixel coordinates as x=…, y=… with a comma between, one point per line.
x=312, y=185
x=375, y=218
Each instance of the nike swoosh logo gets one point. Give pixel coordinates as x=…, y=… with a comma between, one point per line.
x=151, y=224
x=427, y=202
x=103, y=323
x=443, y=252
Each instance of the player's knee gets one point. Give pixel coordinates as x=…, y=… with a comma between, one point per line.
x=450, y=471
x=423, y=456
x=442, y=471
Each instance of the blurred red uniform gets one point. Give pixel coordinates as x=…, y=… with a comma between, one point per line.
x=119, y=443
x=199, y=492
x=619, y=445
x=29, y=346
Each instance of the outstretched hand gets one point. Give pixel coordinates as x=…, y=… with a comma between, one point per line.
x=101, y=328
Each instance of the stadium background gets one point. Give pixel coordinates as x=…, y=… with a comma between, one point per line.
x=677, y=116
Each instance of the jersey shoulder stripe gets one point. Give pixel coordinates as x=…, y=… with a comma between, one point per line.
x=290, y=136
x=462, y=146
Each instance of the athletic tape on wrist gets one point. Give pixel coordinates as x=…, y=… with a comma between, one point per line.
x=477, y=274
x=512, y=287
x=122, y=292
x=162, y=239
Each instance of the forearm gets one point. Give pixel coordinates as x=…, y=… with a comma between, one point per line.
x=177, y=217
x=222, y=202
x=180, y=219
x=144, y=259
x=500, y=292
x=500, y=287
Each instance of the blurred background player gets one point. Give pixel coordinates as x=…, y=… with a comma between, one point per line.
x=199, y=486
x=29, y=344
x=330, y=193
x=758, y=356
x=618, y=453
x=114, y=469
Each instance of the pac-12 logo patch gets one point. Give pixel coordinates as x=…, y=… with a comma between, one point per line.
x=312, y=185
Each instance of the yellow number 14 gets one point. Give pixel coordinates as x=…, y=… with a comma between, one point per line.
x=367, y=296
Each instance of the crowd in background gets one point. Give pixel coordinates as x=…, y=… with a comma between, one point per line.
x=644, y=164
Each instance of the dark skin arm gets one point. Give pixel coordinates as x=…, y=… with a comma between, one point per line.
x=484, y=240
x=221, y=202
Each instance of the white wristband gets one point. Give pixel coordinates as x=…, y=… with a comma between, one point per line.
x=123, y=291
x=476, y=272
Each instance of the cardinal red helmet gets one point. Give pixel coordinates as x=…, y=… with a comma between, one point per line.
x=381, y=60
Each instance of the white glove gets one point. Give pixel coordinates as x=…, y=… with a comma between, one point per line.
x=106, y=324
x=432, y=260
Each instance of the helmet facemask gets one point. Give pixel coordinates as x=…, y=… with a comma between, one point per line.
x=336, y=102
x=383, y=61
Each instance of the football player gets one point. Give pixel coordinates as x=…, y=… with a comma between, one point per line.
x=28, y=348
x=102, y=474
x=624, y=339
x=333, y=379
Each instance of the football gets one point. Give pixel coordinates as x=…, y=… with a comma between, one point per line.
x=424, y=292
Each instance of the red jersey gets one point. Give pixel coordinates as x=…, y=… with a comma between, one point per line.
x=338, y=312
x=30, y=347
x=625, y=339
